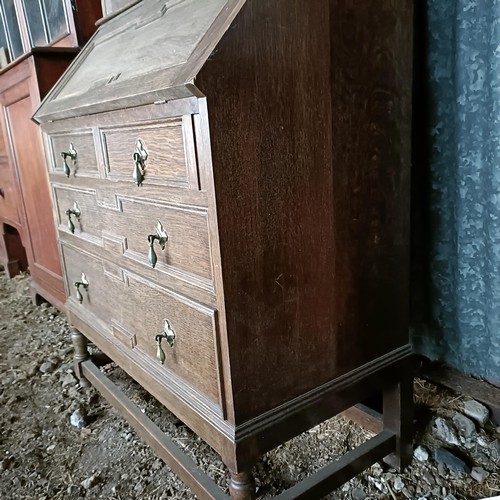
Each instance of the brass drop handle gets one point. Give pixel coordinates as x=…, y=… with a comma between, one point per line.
x=162, y=237
x=73, y=211
x=71, y=153
x=169, y=335
x=82, y=283
x=140, y=157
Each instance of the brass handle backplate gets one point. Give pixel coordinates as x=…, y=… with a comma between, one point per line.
x=169, y=335
x=73, y=211
x=140, y=157
x=162, y=237
x=84, y=283
x=71, y=153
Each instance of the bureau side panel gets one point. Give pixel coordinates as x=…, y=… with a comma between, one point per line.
x=309, y=109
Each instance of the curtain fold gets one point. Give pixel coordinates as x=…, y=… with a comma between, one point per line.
x=463, y=186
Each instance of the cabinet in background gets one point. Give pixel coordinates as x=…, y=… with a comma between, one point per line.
x=38, y=39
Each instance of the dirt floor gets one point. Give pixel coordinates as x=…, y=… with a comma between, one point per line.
x=43, y=456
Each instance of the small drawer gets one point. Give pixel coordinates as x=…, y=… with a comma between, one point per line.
x=131, y=220
x=84, y=164
x=97, y=293
x=167, y=148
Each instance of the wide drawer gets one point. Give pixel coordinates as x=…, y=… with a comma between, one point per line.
x=84, y=163
x=130, y=221
x=132, y=312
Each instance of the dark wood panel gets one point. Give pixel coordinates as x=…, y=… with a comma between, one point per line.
x=309, y=106
x=50, y=64
x=86, y=13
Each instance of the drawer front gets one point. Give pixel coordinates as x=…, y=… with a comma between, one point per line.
x=132, y=220
x=99, y=296
x=85, y=164
x=132, y=311
x=171, y=155
x=193, y=356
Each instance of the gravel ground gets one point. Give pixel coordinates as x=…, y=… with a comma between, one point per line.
x=44, y=457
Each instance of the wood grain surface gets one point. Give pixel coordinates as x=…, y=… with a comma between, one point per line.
x=309, y=109
x=133, y=219
x=164, y=142
x=85, y=163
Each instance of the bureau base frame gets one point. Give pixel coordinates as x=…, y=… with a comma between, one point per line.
x=392, y=444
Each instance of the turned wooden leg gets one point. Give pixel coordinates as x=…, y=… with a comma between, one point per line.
x=398, y=418
x=81, y=354
x=242, y=486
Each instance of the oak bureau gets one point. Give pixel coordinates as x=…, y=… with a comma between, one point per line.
x=231, y=186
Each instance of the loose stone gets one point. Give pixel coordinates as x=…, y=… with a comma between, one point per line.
x=79, y=419
x=398, y=484
x=479, y=474
x=451, y=461
x=421, y=454
x=445, y=431
x=476, y=411
x=47, y=367
x=465, y=425
x=91, y=481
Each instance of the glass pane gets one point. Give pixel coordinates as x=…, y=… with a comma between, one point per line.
x=56, y=18
x=35, y=23
x=3, y=37
x=16, y=44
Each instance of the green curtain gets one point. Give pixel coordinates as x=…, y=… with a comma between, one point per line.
x=457, y=185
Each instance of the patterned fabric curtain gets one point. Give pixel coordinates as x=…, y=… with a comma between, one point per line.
x=458, y=178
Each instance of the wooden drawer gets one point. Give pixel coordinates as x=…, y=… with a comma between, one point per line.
x=85, y=164
x=193, y=356
x=131, y=220
x=171, y=154
x=133, y=311
x=100, y=296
